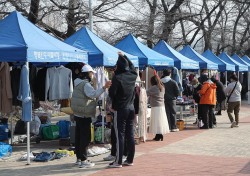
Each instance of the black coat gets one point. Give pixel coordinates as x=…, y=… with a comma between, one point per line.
x=220, y=93
x=196, y=95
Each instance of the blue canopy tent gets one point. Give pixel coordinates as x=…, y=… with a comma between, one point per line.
x=100, y=52
x=238, y=66
x=223, y=65
x=246, y=59
x=146, y=55
x=180, y=61
x=21, y=41
x=238, y=59
x=204, y=63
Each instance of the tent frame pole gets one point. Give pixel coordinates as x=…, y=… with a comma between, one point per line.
x=147, y=78
x=28, y=133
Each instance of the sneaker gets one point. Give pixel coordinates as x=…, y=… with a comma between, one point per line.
x=175, y=130
x=233, y=124
x=236, y=125
x=126, y=163
x=109, y=158
x=114, y=165
x=78, y=162
x=86, y=164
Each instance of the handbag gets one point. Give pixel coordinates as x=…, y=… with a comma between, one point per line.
x=230, y=94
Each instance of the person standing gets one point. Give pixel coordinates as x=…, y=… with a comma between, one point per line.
x=208, y=102
x=122, y=96
x=83, y=104
x=220, y=94
x=196, y=97
x=158, y=123
x=233, y=90
x=171, y=94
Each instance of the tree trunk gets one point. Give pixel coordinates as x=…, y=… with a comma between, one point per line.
x=151, y=21
x=34, y=9
x=70, y=17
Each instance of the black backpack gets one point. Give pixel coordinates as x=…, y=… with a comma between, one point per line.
x=20, y=127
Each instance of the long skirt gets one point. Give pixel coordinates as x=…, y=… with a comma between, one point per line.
x=158, y=121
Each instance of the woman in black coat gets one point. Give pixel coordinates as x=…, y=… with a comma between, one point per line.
x=220, y=94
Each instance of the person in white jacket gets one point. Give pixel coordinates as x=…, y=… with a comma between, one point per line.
x=234, y=101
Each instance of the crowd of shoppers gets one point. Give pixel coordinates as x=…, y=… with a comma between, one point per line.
x=207, y=92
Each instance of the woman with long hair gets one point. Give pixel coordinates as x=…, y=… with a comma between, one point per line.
x=159, y=122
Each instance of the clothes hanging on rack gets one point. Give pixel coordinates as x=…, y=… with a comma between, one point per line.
x=39, y=88
x=100, y=82
x=59, y=83
x=15, y=74
x=142, y=115
x=176, y=76
x=25, y=94
x=5, y=91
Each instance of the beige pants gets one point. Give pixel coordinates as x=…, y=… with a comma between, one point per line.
x=234, y=107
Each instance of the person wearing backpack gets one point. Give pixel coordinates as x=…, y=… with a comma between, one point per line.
x=83, y=104
x=233, y=90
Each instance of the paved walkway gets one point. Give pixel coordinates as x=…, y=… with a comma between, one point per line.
x=219, y=151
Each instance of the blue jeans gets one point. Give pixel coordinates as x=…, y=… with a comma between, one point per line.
x=124, y=129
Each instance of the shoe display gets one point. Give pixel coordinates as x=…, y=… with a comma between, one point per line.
x=109, y=158
x=175, y=130
x=233, y=124
x=86, y=164
x=126, y=163
x=114, y=165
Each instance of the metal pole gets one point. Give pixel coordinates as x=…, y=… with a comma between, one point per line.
x=103, y=106
x=225, y=78
x=147, y=78
x=248, y=77
x=28, y=134
x=90, y=16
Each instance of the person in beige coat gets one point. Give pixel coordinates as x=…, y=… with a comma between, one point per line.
x=5, y=88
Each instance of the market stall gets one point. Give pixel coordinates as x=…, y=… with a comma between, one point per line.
x=22, y=42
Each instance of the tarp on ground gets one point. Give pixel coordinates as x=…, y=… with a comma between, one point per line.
x=238, y=66
x=204, y=63
x=100, y=52
x=246, y=59
x=22, y=41
x=180, y=61
x=146, y=55
x=238, y=59
x=223, y=65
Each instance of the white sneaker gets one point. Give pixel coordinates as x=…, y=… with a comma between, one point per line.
x=175, y=130
x=114, y=165
x=233, y=124
x=109, y=158
x=236, y=125
x=126, y=163
x=86, y=164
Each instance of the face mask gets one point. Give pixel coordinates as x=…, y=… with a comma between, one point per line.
x=205, y=73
